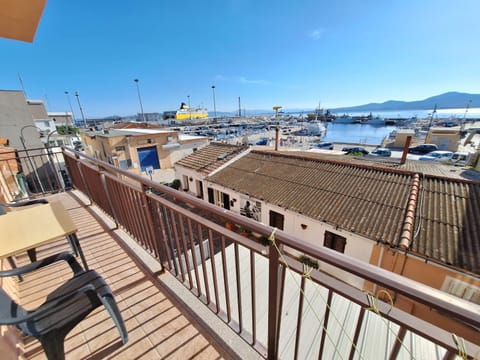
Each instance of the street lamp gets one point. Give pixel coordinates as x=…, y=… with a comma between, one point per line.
x=189, y=108
x=71, y=108
x=140, y=99
x=214, y=105
x=81, y=110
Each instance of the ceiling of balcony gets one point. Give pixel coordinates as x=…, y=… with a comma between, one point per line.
x=19, y=19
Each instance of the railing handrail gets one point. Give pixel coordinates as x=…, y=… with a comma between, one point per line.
x=459, y=308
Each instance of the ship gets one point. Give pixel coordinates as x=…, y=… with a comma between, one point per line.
x=186, y=113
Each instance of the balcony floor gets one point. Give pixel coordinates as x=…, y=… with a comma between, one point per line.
x=156, y=326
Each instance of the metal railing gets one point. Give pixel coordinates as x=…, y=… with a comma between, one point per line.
x=32, y=173
x=300, y=315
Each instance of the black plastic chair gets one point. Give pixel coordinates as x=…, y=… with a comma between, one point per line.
x=63, y=309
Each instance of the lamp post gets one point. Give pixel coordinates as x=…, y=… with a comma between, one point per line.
x=71, y=108
x=214, y=105
x=22, y=139
x=140, y=99
x=189, y=108
x=81, y=110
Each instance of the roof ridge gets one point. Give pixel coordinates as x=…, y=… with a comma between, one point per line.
x=409, y=219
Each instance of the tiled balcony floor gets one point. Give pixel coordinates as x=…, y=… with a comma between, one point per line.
x=156, y=327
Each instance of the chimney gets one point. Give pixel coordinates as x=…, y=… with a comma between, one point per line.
x=277, y=136
x=405, y=150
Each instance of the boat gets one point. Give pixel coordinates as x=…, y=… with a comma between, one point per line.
x=344, y=119
x=186, y=113
x=315, y=128
x=320, y=115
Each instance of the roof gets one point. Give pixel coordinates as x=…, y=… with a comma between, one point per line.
x=126, y=132
x=422, y=167
x=368, y=200
x=448, y=221
x=210, y=157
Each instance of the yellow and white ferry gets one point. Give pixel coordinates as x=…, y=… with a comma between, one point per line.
x=186, y=113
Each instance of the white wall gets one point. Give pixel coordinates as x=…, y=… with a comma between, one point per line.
x=180, y=172
x=356, y=246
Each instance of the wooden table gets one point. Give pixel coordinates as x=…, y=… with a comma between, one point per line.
x=25, y=229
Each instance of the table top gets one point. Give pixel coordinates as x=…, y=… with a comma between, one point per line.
x=28, y=228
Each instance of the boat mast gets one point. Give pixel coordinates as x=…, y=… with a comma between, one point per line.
x=433, y=114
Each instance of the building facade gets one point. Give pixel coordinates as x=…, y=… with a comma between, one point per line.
x=419, y=226
x=140, y=150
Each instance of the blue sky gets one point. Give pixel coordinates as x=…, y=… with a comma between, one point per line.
x=293, y=53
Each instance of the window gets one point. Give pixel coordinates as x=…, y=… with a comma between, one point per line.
x=119, y=148
x=334, y=241
x=276, y=220
x=185, y=183
x=125, y=164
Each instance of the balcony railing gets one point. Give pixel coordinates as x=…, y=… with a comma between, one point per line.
x=32, y=172
x=269, y=287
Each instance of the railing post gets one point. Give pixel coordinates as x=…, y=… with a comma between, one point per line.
x=156, y=229
x=109, y=197
x=274, y=297
x=82, y=175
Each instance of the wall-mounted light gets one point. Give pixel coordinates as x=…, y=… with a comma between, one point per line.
x=304, y=226
x=190, y=179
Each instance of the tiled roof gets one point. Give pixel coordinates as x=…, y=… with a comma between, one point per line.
x=367, y=200
x=447, y=214
x=210, y=157
x=363, y=200
x=423, y=167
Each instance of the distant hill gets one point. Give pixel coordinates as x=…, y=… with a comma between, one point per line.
x=449, y=100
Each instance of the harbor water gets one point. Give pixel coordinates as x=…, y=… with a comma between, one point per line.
x=357, y=133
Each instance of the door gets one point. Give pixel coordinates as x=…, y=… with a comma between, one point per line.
x=226, y=201
x=211, y=198
x=148, y=157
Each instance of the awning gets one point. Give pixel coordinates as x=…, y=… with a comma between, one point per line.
x=19, y=18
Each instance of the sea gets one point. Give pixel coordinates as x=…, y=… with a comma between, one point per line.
x=374, y=134
x=356, y=133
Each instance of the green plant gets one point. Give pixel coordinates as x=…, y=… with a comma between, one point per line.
x=263, y=240
x=176, y=184
x=308, y=261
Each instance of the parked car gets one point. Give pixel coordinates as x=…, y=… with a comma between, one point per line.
x=322, y=145
x=381, y=152
x=355, y=150
x=438, y=155
x=459, y=158
x=263, y=141
x=422, y=149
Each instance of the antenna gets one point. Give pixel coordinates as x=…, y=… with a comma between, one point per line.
x=21, y=84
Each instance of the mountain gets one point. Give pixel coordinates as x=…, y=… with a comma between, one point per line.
x=449, y=100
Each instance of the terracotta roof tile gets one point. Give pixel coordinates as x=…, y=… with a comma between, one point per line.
x=210, y=157
x=368, y=200
x=359, y=199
